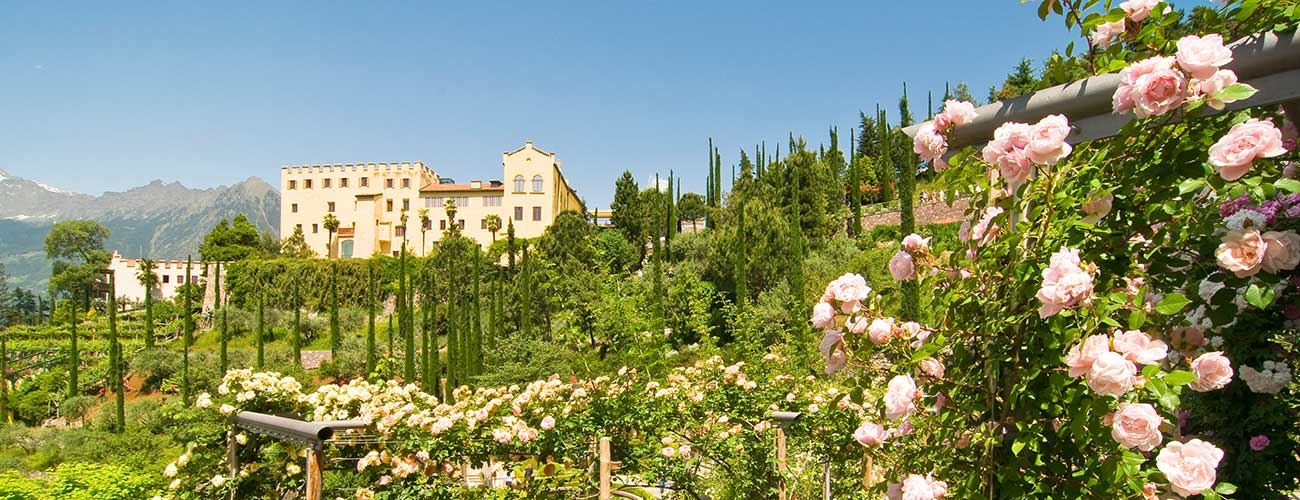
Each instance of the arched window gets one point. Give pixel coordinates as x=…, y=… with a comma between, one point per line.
x=345, y=248
x=537, y=183
x=519, y=183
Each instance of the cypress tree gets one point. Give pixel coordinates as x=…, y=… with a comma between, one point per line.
x=708, y=190
x=906, y=185
x=390, y=335
x=370, y=316
x=449, y=322
x=335, y=336
x=717, y=179
x=741, y=256
x=4, y=379
x=148, y=304
x=510, y=247
x=425, y=330
x=74, y=353
x=188, y=341
x=854, y=191
x=476, y=346
x=261, y=324
x=297, y=323
x=408, y=365
x=115, y=352
x=796, y=230
x=526, y=302
x=221, y=320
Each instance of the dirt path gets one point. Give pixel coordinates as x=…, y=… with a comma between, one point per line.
x=930, y=213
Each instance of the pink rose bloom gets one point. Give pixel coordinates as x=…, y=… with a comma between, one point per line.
x=836, y=361
x=548, y=423
x=1111, y=375
x=909, y=329
x=1190, y=467
x=1258, y=443
x=918, y=487
x=932, y=367
x=1080, y=357
x=869, y=434
x=859, y=324
x=1097, y=206
x=1138, y=10
x=1245, y=142
x=929, y=144
x=1007, y=152
x=902, y=267
x=894, y=491
x=1139, y=348
x=955, y=113
x=1282, y=251
x=899, y=398
x=830, y=342
x=823, y=316
x=1221, y=79
x=985, y=230
x=1202, y=56
x=1186, y=338
x=1047, y=140
x=1066, y=283
x=1122, y=101
x=1213, y=371
x=881, y=330
x=1137, y=426
x=1242, y=252
x=849, y=289
x=1106, y=33
x=1159, y=92
x=914, y=243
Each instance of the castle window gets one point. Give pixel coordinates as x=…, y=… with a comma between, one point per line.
x=537, y=183
x=293, y=208
x=401, y=231
x=406, y=183
x=306, y=183
x=461, y=223
x=537, y=213
x=519, y=213
x=331, y=206
x=482, y=223
x=388, y=183
x=325, y=183
x=365, y=182
x=343, y=182
x=166, y=278
x=293, y=184
x=519, y=183
x=492, y=201
x=435, y=202
x=389, y=205
x=315, y=228
x=442, y=225
x=462, y=201
x=406, y=204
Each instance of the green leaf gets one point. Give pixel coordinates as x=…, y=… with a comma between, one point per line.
x=1017, y=446
x=1190, y=185
x=1225, y=488
x=1136, y=319
x=1290, y=185
x=1235, y=92
x=1258, y=296
x=1180, y=377
x=1172, y=303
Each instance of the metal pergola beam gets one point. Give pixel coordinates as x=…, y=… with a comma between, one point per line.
x=1269, y=61
x=310, y=434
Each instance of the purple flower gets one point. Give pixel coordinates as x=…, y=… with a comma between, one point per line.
x=1258, y=443
x=1229, y=207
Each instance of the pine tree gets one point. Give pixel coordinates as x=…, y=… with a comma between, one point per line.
x=115, y=352
x=188, y=341
x=370, y=316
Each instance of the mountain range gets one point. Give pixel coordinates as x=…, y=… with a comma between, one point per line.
x=158, y=220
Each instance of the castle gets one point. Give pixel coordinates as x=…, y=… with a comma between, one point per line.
x=369, y=199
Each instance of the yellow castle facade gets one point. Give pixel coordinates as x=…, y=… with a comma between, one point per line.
x=369, y=199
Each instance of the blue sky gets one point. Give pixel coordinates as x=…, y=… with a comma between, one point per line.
x=109, y=95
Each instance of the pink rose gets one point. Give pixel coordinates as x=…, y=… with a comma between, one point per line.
x=1122, y=101
x=859, y=324
x=1221, y=79
x=1282, y=252
x=902, y=267
x=918, y=487
x=1242, y=252
x=929, y=144
x=1097, y=206
x=1106, y=33
x=823, y=316
x=1138, y=10
x=1111, y=374
x=894, y=491
x=1187, y=338
x=955, y=113
x=850, y=289
x=1139, y=348
x=1245, y=142
x=836, y=361
x=869, y=434
x=985, y=230
x=1137, y=426
x=1258, y=443
x=914, y=243
x=1159, y=92
x=881, y=330
x=1202, y=56
x=899, y=397
x=932, y=367
x=1007, y=152
x=548, y=423
x=1047, y=140
x=909, y=329
x=1080, y=357
x=831, y=344
x=1066, y=283
x=1189, y=467
x=1213, y=371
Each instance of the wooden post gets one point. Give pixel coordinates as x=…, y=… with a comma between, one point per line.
x=826, y=481
x=604, y=469
x=868, y=474
x=313, y=474
x=780, y=462
x=232, y=458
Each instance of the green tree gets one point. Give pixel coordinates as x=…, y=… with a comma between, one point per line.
x=371, y=292
x=626, y=213
x=425, y=224
x=691, y=207
x=115, y=374
x=148, y=279
x=74, y=353
x=295, y=246
x=187, y=295
x=1019, y=82
x=331, y=224
x=962, y=93
x=336, y=339
x=77, y=249
x=228, y=241
x=493, y=225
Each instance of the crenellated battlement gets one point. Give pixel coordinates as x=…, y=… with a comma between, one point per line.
x=379, y=167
